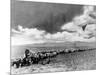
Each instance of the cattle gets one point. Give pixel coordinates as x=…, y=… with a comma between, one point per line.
x=16, y=63
x=69, y=51
x=26, y=62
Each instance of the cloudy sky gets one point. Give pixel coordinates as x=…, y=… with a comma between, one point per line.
x=36, y=22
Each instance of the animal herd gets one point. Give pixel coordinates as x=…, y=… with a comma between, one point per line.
x=43, y=57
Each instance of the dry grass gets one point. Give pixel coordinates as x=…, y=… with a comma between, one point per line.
x=85, y=60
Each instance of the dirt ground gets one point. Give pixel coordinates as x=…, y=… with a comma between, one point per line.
x=76, y=61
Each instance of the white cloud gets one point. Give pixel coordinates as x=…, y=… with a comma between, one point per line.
x=23, y=40
x=79, y=21
x=28, y=36
x=33, y=35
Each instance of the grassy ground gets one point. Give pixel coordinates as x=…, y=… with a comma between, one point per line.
x=76, y=61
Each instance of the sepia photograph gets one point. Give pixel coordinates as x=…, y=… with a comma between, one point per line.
x=52, y=37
